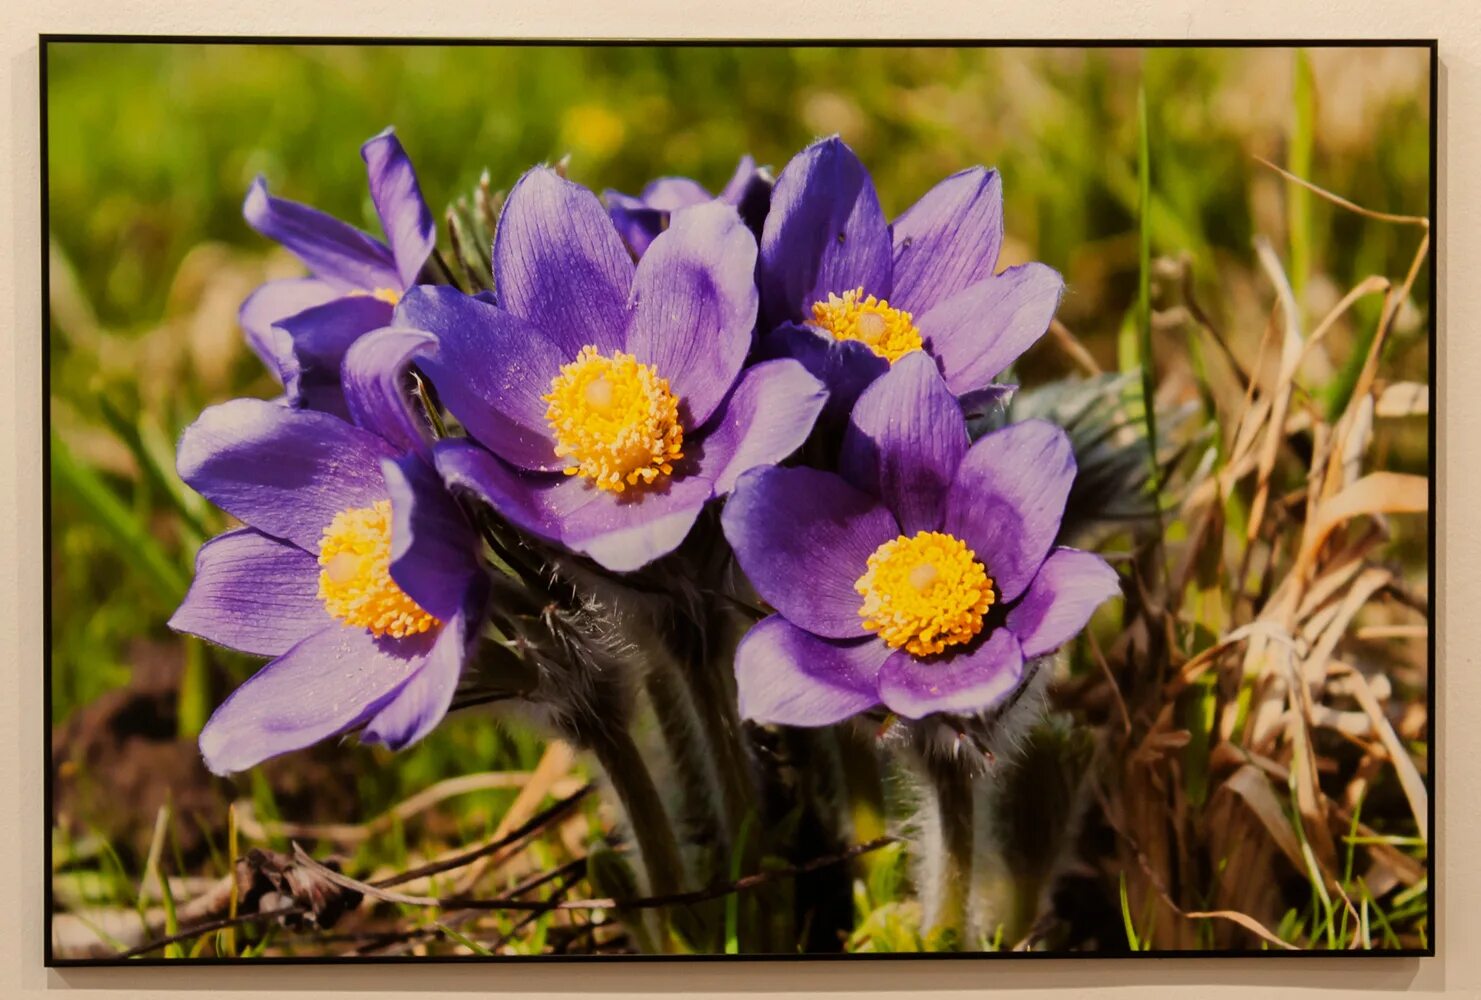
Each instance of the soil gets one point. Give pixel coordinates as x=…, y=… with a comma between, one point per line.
x=119, y=759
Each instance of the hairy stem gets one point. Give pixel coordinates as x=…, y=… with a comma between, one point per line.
x=951, y=784
x=683, y=737
x=633, y=784
x=704, y=651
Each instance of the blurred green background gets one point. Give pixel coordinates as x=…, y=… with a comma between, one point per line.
x=152, y=146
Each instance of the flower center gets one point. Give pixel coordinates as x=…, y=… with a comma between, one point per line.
x=387, y=295
x=355, y=583
x=615, y=421
x=885, y=330
x=924, y=593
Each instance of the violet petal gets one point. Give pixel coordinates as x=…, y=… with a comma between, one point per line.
x=767, y=417
x=905, y=438
x=559, y=263
x=981, y=330
x=958, y=683
x=252, y=593
x=1063, y=595
x=694, y=306
x=284, y=472
x=789, y=677
x=330, y=682
x=804, y=537
x=1007, y=500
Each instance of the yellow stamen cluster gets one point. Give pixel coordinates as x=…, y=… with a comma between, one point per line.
x=355, y=582
x=885, y=330
x=924, y=593
x=614, y=420
x=387, y=295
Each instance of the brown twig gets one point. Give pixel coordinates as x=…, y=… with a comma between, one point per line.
x=533, y=825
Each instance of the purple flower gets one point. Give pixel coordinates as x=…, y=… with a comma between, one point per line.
x=848, y=294
x=611, y=396
x=301, y=327
x=355, y=571
x=640, y=219
x=923, y=577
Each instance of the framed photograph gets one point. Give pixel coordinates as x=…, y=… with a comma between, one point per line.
x=717, y=500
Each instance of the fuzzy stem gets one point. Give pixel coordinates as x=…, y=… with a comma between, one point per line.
x=684, y=739
x=698, y=818
x=704, y=652
x=633, y=784
x=952, y=784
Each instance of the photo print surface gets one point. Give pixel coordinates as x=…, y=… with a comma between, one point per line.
x=515, y=501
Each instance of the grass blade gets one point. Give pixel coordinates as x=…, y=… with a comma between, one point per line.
x=1144, y=282
x=135, y=544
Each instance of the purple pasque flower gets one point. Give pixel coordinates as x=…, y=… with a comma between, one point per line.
x=301, y=327
x=610, y=396
x=849, y=294
x=639, y=219
x=923, y=576
x=356, y=569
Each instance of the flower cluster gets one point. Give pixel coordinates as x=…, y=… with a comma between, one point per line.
x=781, y=355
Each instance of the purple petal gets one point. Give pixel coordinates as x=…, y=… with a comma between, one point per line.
x=694, y=306
x=987, y=401
x=627, y=533
x=981, y=331
x=669, y=194
x=1066, y=591
x=904, y=441
x=519, y=497
x=636, y=222
x=424, y=700
x=490, y=369
x=1007, y=500
x=962, y=683
x=845, y=367
x=623, y=533
x=433, y=549
x=318, y=339
x=789, y=677
x=284, y=472
x=767, y=417
x=825, y=233
x=948, y=240
x=331, y=681
x=740, y=181
x=252, y=593
x=398, y=201
x=375, y=383
x=804, y=537
x=749, y=190
x=274, y=301
x=559, y=263
x=337, y=253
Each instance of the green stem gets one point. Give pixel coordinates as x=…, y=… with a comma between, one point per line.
x=952, y=785
x=685, y=742
x=703, y=652
x=633, y=784
x=693, y=647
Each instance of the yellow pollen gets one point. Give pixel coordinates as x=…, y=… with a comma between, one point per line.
x=355, y=582
x=924, y=593
x=887, y=331
x=599, y=395
x=387, y=295
x=614, y=420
